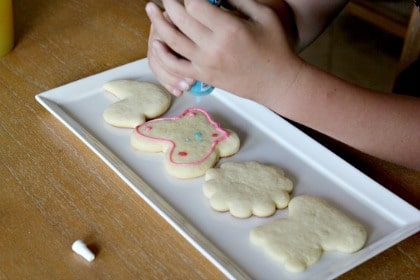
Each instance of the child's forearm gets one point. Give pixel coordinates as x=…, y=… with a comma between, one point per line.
x=381, y=124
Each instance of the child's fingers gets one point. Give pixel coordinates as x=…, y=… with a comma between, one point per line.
x=168, y=32
x=186, y=23
x=215, y=18
x=162, y=62
x=251, y=9
x=210, y=16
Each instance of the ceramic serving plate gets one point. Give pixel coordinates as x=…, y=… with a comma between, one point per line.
x=265, y=137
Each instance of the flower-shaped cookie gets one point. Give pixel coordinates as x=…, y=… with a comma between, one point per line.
x=138, y=101
x=192, y=142
x=247, y=188
x=313, y=226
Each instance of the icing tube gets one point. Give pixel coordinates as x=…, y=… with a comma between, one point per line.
x=199, y=88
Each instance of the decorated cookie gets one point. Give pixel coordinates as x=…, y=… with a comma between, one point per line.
x=247, y=188
x=313, y=226
x=138, y=101
x=192, y=142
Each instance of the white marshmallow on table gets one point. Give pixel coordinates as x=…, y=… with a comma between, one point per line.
x=81, y=249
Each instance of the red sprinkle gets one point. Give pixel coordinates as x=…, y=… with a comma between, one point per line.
x=183, y=154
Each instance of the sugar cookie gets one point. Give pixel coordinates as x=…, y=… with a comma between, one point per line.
x=138, y=101
x=192, y=142
x=313, y=226
x=247, y=188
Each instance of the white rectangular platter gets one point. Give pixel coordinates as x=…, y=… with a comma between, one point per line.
x=265, y=137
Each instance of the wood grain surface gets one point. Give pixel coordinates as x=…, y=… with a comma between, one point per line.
x=54, y=190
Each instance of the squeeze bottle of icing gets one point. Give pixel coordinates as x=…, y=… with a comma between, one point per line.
x=200, y=88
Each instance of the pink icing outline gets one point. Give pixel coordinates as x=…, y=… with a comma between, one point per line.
x=225, y=134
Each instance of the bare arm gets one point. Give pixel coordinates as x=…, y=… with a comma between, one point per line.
x=357, y=116
x=381, y=124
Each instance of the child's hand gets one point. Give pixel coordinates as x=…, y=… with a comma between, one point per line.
x=247, y=54
x=170, y=80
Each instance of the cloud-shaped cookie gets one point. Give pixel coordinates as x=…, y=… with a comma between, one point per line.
x=247, y=188
x=192, y=142
x=138, y=101
x=313, y=226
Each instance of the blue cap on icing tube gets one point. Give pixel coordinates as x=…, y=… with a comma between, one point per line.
x=200, y=88
x=216, y=2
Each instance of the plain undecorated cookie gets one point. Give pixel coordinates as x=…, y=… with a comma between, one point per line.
x=191, y=142
x=138, y=101
x=313, y=226
x=246, y=188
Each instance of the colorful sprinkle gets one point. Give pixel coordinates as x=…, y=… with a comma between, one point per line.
x=182, y=154
x=214, y=135
x=148, y=128
x=198, y=135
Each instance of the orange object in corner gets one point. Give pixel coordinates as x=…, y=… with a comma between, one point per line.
x=6, y=27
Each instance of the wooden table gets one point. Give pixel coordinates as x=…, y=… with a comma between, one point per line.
x=54, y=190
